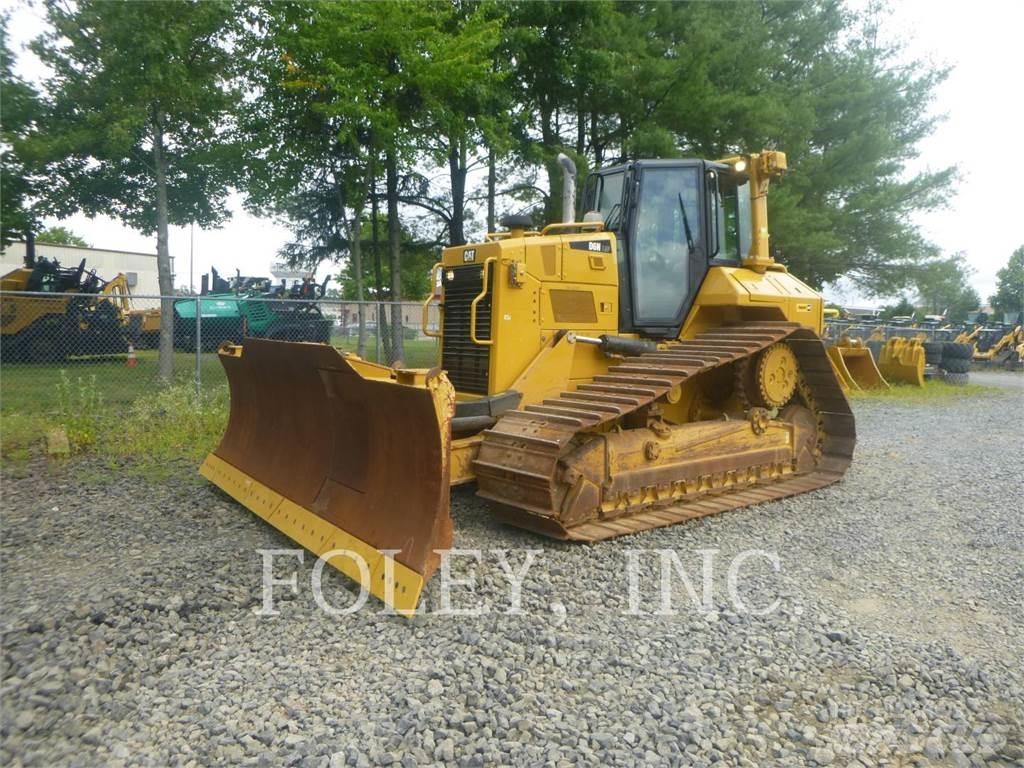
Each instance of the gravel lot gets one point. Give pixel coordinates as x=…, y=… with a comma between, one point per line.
x=130, y=633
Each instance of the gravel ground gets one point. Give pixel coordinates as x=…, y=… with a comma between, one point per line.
x=130, y=633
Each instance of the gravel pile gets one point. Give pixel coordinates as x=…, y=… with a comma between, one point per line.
x=131, y=634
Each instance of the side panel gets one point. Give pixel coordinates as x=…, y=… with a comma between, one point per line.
x=539, y=287
x=732, y=294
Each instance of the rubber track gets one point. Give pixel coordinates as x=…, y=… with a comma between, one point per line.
x=518, y=458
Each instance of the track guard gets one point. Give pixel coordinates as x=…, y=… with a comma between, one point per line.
x=338, y=453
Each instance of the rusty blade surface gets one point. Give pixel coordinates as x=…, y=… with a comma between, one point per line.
x=344, y=440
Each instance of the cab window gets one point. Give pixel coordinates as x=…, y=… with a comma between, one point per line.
x=734, y=220
x=668, y=231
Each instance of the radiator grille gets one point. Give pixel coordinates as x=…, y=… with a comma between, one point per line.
x=465, y=362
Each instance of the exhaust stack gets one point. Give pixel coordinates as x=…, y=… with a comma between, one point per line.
x=568, y=188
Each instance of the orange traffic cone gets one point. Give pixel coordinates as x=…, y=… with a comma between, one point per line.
x=132, y=361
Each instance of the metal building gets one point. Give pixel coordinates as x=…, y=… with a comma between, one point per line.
x=139, y=268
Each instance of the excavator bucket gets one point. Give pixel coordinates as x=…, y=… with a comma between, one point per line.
x=314, y=442
x=842, y=373
x=856, y=368
x=902, y=361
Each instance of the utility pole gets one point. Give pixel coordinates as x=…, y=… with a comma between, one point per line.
x=191, y=254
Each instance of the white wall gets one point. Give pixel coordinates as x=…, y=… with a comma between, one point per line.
x=106, y=263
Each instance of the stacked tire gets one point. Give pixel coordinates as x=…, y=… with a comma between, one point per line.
x=956, y=362
x=933, y=352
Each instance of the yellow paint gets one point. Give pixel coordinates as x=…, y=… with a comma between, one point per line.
x=902, y=360
x=761, y=168
x=391, y=582
x=464, y=451
x=730, y=294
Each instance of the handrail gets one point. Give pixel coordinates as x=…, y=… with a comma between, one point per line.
x=424, y=319
x=472, y=307
x=595, y=226
x=493, y=237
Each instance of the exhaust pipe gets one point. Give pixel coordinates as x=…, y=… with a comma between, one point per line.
x=568, y=188
x=30, y=249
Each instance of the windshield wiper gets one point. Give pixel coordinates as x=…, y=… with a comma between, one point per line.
x=686, y=226
x=614, y=217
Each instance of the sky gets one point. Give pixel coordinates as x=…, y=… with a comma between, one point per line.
x=983, y=121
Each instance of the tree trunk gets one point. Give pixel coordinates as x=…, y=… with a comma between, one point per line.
x=378, y=270
x=355, y=245
x=357, y=264
x=581, y=131
x=491, y=185
x=457, y=172
x=551, y=141
x=395, y=255
x=165, y=278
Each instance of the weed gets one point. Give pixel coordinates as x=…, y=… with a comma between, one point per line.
x=79, y=409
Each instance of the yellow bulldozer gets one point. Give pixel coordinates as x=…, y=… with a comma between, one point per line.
x=646, y=365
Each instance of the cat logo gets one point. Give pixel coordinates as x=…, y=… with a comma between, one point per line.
x=469, y=255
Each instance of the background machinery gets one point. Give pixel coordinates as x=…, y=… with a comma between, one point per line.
x=641, y=367
x=250, y=307
x=73, y=313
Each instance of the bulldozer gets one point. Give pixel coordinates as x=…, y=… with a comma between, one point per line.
x=646, y=365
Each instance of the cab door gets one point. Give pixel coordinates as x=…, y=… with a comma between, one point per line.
x=667, y=243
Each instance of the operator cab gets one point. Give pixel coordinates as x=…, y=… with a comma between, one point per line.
x=672, y=219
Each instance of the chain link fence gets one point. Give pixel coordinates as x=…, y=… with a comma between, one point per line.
x=56, y=346
x=875, y=331
x=74, y=352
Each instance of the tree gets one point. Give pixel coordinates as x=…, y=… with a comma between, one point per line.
x=943, y=287
x=376, y=79
x=1009, y=295
x=20, y=108
x=417, y=258
x=615, y=81
x=138, y=103
x=903, y=308
x=302, y=164
x=857, y=114
x=61, y=236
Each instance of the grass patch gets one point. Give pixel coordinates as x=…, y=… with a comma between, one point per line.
x=176, y=425
x=419, y=353
x=112, y=411
x=126, y=415
x=933, y=390
x=35, y=388
x=21, y=434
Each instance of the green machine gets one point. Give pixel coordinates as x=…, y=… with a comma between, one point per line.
x=250, y=307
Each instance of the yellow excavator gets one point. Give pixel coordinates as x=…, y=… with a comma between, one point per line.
x=644, y=366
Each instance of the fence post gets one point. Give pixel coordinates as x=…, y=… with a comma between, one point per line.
x=380, y=310
x=199, y=345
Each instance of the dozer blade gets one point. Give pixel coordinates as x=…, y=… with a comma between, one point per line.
x=315, y=444
x=856, y=367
